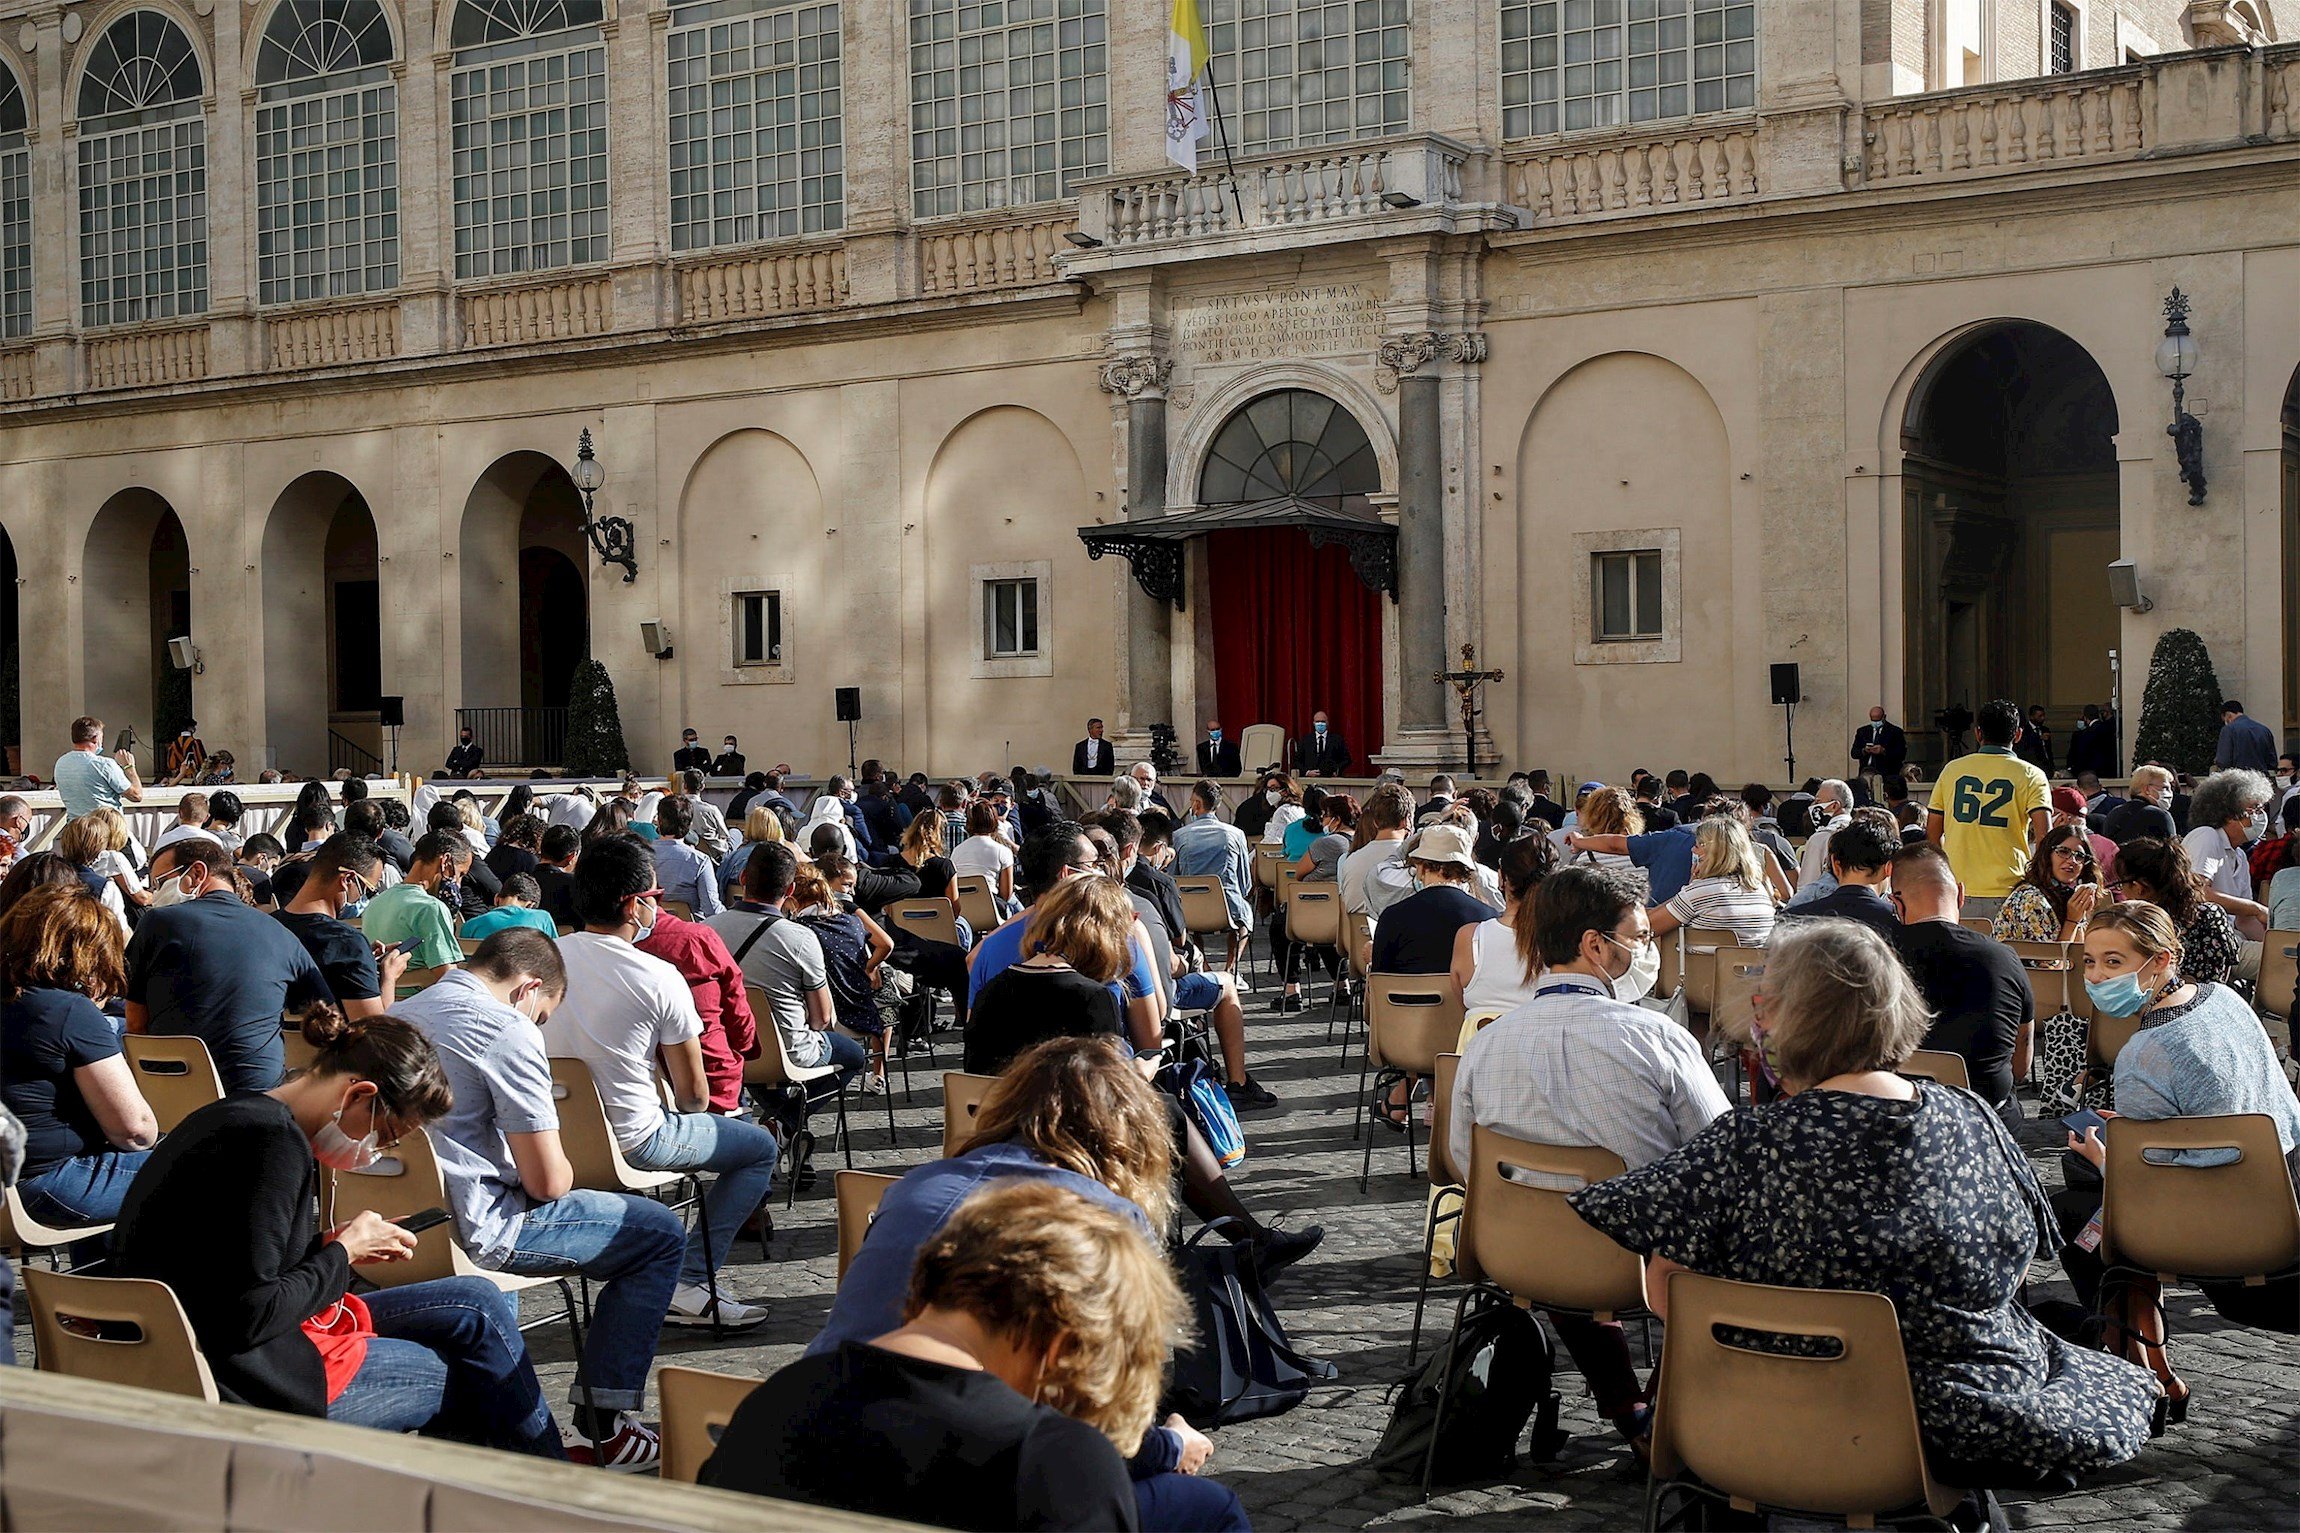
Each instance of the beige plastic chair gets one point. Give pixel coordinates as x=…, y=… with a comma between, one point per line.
x=176, y=1075
x=859, y=1195
x=1828, y=1436
x=1698, y=949
x=773, y=1072
x=115, y=1331
x=1269, y=857
x=470, y=945
x=1443, y=1188
x=296, y=1050
x=1939, y=1065
x=2279, y=984
x=962, y=1096
x=1314, y=919
x=697, y=1406
x=927, y=920
x=976, y=902
x=21, y=1234
x=416, y=981
x=1410, y=1020
x=1205, y=908
x=2055, y=973
x=1985, y=925
x=2237, y=1221
x=1738, y=976
x=680, y=908
x=589, y=1141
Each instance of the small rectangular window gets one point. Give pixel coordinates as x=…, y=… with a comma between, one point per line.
x=758, y=628
x=2063, y=60
x=1627, y=595
x=1009, y=618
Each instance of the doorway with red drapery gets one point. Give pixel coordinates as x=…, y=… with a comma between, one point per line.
x=1296, y=631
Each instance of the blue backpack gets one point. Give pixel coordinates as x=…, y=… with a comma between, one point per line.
x=1189, y=1082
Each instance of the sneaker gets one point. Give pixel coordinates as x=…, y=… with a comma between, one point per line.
x=1248, y=1093
x=1291, y=1003
x=634, y=1449
x=692, y=1306
x=874, y=1086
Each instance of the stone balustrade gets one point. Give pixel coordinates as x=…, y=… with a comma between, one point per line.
x=16, y=375
x=2022, y=126
x=762, y=284
x=1336, y=184
x=1579, y=178
x=140, y=359
x=547, y=311
x=333, y=337
x=974, y=256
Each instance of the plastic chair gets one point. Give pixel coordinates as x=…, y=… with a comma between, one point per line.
x=1358, y=950
x=116, y=1331
x=859, y=1194
x=1269, y=858
x=1410, y=1020
x=2055, y=974
x=1828, y=1436
x=680, y=908
x=416, y=981
x=1737, y=979
x=470, y=945
x=1697, y=965
x=773, y=1072
x=21, y=1234
x=962, y=1096
x=1206, y=910
x=2235, y=1221
x=1939, y=1065
x=1985, y=925
x=176, y=1074
x=928, y=920
x=971, y=893
x=597, y=1160
x=296, y=1050
x=1442, y=1187
x=2279, y=975
x=697, y=1406
x=1314, y=919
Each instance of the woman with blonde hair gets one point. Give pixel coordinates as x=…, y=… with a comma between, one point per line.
x=1728, y=890
x=760, y=826
x=1878, y=1183
x=1079, y=937
x=1025, y=1370
x=1610, y=812
x=86, y=843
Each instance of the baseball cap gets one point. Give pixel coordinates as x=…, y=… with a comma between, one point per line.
x=1587, y=787
x=1442, y=843
x=2067, y=801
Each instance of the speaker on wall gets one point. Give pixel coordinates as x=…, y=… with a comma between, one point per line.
x=391, y=712
x=850, y=704
x=1785, y=684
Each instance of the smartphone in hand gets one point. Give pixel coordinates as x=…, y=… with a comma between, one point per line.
x=2083, y=1120
x=417, y=1223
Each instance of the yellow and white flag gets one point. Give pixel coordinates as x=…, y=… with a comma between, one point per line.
x=1185, y=86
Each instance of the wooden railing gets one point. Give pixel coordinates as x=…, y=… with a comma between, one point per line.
x=972, y=256
x=761, y=283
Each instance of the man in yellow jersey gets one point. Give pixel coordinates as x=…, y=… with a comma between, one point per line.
x=1988, y=810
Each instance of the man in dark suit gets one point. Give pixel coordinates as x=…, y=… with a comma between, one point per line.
x=1092, y=756
x=1880, y=750
x=1218, y=757
x=2244, y=742
x=1542, y=806
x=729, y=762
x=2035, y=743
x=690, y=756
x=2092, y=747
x=464, y=760
x=1321, y=753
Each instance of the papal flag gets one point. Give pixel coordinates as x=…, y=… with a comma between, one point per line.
x=1185, y=85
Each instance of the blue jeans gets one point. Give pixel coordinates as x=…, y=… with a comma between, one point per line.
x=632, y=1245
x=742, y=1153
x=1197, y=992
x=847, y=1052
x=86, y=1190
x=448, y=1360
x=1183, y=1503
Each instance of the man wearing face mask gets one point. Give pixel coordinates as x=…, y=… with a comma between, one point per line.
x=692, y=755
x=362, y=972
x=205, y=964
x=1321, y=753
x=1582, y=1064
x=513, y=1193
x=1217, y=755
x=465, y=759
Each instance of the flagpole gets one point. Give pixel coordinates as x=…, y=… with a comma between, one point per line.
x=1222, y=134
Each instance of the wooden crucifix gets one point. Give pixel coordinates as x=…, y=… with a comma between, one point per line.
x=1465, y=683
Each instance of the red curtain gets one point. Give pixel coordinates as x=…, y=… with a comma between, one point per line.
x=1295, y=631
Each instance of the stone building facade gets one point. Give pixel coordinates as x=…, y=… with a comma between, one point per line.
x=1639, y=344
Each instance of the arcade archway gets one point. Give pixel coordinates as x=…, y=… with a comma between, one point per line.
x=135, y=571
x=526, y=608
x=323, y=631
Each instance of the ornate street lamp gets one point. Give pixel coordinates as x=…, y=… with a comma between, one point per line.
x=610, y=535
x=2176, y=359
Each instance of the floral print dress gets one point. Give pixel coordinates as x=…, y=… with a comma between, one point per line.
x=1928, y=1202
x=2026, y=916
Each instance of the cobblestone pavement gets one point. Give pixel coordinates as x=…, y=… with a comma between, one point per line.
x=2235, y=1464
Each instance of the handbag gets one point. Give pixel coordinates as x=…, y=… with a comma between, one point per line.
x=1240, y=1365
x=1494, y=1372
x=1206, y=1105
x=2064, y=1074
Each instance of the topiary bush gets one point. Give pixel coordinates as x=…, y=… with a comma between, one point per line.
x=595, y=745
x=2180, y=711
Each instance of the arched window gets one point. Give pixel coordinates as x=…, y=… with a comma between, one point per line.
x=327, y=152
x=528, y=120
x=757, y=145
x=1008, y=104
x=15, y=210
x=1291, y=443
x=1572, y=64
x=143, y=175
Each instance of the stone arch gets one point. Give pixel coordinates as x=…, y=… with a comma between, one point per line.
x=751, y=525
x=135, y=578
x=322, y=628
x=525, y=623
x=315, y=14
x=1625, y=555
x=1211, y=411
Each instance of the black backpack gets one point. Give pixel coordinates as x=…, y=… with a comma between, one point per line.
x=1495, y=1373
x=1240, y=1366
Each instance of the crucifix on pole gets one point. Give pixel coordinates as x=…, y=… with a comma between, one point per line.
x=1465, y=683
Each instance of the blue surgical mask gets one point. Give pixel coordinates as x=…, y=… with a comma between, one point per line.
x=1214, y=735
x=2119, y=996
x=1318, y=729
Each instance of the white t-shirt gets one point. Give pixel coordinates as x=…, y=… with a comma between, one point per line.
x=1284, y=815
x=982, y=856
x=117, y=865
x=1725, y=904
x=1499, y=982
x=622, y=1008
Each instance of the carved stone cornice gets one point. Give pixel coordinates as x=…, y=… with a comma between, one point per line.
x=1137, y=376
x=1402, y=356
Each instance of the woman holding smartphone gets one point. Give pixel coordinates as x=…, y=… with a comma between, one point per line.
x=223, y=1213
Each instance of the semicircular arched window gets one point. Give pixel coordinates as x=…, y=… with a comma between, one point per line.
x=143, y=162
x=527, y=119
x=1292, y=443
x=327, y=152
x=15, y=209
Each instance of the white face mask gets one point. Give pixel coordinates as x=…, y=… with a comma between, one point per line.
x=170, y=891
x=1275, y=798
x=1644, y=969
x=338, y=1151
x=2256, y=826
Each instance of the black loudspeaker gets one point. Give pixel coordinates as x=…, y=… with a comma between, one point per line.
x=850, y=704
x=392, y=712
x=1785, y=685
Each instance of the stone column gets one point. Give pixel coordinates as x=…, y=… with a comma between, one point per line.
x=1421, y=555
x=1140, y=381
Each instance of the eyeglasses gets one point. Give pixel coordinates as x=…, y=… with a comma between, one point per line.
x=365, y=889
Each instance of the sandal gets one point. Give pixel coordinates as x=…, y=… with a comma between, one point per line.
x=1391, y=1115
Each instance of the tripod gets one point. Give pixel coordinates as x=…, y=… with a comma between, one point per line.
x=852, y=769
x=1789, y=723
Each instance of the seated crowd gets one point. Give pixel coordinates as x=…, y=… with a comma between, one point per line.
x=995, y=1355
